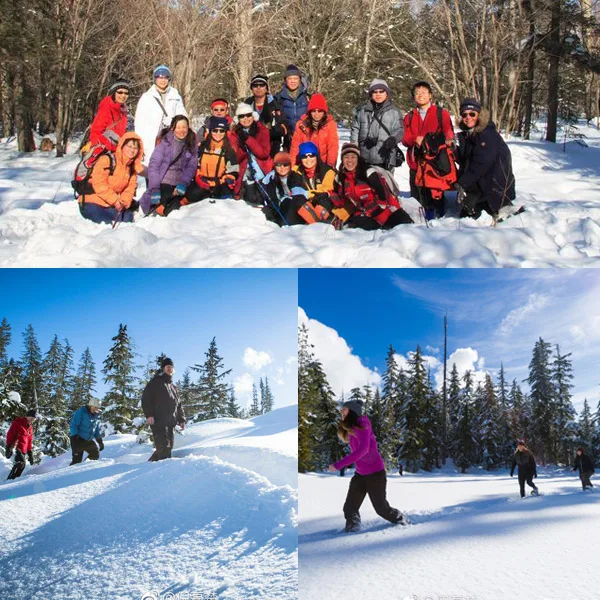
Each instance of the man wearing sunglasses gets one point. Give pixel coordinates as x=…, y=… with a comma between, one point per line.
x=219, y=108
x=485, y=181
x=110, y=122
x=269, y=112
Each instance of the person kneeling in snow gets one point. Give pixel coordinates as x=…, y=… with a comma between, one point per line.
x=370, y=477
x=584, y=464
x=523, y=458
x=85, y=432
x=162, y=409
x=20, y=435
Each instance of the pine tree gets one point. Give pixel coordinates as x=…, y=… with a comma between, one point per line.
x=389, y=441
x=5, y=337
x=121, y=401
x=31, y=365
x=233, y=408
x=430, y=424
x=454, y=400
x=84, y=382
x=186, y=392
x=262, y=397
x=306, y=412
x=488, y=435
x=269, y=401
x=463, y=446
x=503, y=397
x=586, y=428
x=255, y=406
x=564, y=412
x=211, y=388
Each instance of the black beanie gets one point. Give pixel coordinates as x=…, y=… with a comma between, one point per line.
x=355, y=406
x=120, y=84
x=32, y=413
x=166, y=362
x=470, y=104
x=292, y=70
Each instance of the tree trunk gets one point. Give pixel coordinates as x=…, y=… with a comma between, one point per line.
x=243, y=40
x=553, y=75
x=23, y=120
x=8, y=102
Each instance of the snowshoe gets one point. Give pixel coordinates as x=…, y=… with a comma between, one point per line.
x=401, y=519
x=506, y=212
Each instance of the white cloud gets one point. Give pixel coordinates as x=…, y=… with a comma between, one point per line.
x=279, y=376
x=242, y=386
x=256, y=359
x=343, y=368
x=535, y=303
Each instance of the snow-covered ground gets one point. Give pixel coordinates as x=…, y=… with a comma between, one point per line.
x=472, y=538
x=219, y=520
x=40, y=225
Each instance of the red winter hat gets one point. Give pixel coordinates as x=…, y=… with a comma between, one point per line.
x=317, y=101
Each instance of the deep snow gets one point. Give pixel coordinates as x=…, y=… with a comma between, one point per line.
x=40, y=225
x=472, y=537
x=219, y=520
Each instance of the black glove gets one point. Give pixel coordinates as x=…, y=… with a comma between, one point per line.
x=100, y=444
x=242, y=135
x=30, y=457
x=134, y=206
x=8, y=452
x=511, y=473
x=323, y=199
x=388, y=145
x=535, y=475
x=173, y=204
x=370, y=142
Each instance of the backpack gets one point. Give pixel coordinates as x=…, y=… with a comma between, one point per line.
x=83, y=171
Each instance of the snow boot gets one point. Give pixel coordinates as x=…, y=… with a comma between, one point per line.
x=400, y=518
x=535, y=492
x=352, y=525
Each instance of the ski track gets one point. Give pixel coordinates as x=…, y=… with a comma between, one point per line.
x=560, y=228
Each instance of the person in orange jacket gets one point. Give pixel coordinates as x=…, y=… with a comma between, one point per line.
x=319, y=127
x=20, y=438
x=110, y=122
x=113, y=183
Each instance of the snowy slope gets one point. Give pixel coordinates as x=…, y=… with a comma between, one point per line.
x=472, y=537
x=40, y=225
x=219, y=524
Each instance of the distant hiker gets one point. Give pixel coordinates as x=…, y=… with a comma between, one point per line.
x=364, y=199
x=163, y=410
x=84, y=432
x=20, y=438
x=110, y=122
x=377, y=128
x=400, y=469
x=252, y=144
x=172, y=168
x=219, y=107
x=286, y=192
x=113, y=182
x=527, y=470
x=369, y=477
x=293, y=97
x=269, y=112
x=427, y=129
x=156, y=109
x=319, y=127
x=585, y=466
x=485, y=177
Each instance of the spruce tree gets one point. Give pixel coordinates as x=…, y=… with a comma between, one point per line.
x=306, y=411
x=120, y=403
x=389, y=441
x=31, y=366
x=564, y=411
x=269, y=400
x=454, y=404
x=586, y=428
x=84, y=382
x=5, y=337
x=463, y=445
x=255, y=406
x=233, y=409
x=186, y=393
x=262, y=397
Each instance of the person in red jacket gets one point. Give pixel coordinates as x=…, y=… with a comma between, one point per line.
x=20, y=438
x=110, y=122
x=420, y=121
x=252, y=144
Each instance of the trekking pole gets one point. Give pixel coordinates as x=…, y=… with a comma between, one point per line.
x=118, y=219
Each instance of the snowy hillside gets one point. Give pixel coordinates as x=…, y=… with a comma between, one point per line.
x=40, y=225
x=472, y=537
x=219, y=520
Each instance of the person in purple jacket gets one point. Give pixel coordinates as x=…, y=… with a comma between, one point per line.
x=369, y=477
x=172, y=168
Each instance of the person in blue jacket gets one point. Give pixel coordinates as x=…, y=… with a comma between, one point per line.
x=85, y=432
x=293, y=97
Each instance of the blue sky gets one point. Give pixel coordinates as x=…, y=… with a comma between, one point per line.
x=252, y=313
x=493, y=316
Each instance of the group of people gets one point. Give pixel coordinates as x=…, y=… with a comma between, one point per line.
x=355, y=429
x=161, y=405
x=281, y=152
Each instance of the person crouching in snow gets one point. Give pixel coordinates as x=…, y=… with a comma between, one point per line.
x=20, y=437
x=162, y=409
x=527, y=470
x=369, y=477
x=85, y=432
x=584, y=464
x=113, y=183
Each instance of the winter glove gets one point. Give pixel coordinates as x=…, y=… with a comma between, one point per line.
x=30, y=457
x=370, y=142
x=155, y=198
x=388, y=146
x=100, y=444
x=460, y=198
x=511, y=473
x=8, y=452
x=134, y=206
x=323, y=199
x=229, y=181
x=180, y=190
x=242, y=135
x=171, y=205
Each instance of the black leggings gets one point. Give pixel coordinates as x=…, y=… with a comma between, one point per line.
x=526, y=476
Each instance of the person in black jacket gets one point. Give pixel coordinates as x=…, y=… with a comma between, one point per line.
x=485, y=178
x=584, y=464
x=162, y=409
x=523, y=458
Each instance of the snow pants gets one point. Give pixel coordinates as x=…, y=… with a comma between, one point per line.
x=374, y=485
x=526, y=476
x=101, y=214
x=398, y=217
x=19, y=465
x=195, y=193
x=585, y=478
x=433, y=208
x=80, y=446
x=164, y=438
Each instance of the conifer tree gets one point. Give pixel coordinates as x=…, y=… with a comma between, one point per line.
x=262, y=396
x=565, y=428
x=255, y=406
x=5, y=337
x=233, y=409
x=84, y=382
x=389, y=441
x=586, y=428
x=31, y=365
x=186, y=392
x=269, y=401
x=306, y=412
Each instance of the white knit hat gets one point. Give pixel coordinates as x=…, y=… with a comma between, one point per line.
x=94, y=402
x=244, y=109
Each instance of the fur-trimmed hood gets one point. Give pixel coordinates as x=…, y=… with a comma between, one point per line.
x=482, y=122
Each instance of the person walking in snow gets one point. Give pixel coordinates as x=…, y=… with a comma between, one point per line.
x=156, y=109
x=527, y=469
x=110, y=122
x=20, y=438
x=369, y=477
x=585, y=466
x=84, y=432
x=162, y=409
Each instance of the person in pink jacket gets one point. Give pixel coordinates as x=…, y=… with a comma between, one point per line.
x=369, y=477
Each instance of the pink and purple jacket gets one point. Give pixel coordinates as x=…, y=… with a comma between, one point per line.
x=364, y=453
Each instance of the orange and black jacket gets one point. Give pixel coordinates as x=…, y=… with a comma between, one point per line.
x=216, y=165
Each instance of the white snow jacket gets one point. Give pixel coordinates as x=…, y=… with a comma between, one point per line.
x=150, y=118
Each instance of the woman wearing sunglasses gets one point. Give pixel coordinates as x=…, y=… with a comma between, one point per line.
x=110, y=122
x=485, y=180
x=219, y=107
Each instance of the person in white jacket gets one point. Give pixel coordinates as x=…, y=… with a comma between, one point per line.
x=156, y=108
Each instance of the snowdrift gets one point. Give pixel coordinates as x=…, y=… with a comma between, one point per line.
x=40, y=225
x=202, y=522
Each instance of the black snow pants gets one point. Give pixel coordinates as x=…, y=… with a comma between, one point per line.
x=78, y=447
x=19, y=465
x=164, y=437
x=585, y=478
x=374, y=485
x=526, y=475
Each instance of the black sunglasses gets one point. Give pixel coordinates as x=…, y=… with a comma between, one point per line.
x=309, y=155
x=258, y=85
x=245, y=116
x=469, y=114
x=122, y=92
x=285, y=164
x=218, y=130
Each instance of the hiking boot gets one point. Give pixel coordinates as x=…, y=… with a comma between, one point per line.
x=352, y=525
x=535, y=492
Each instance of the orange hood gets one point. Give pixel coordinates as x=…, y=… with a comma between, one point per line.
x=130, y=135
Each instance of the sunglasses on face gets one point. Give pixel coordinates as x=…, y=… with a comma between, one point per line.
x=122, y=93
x=258, y=85
x=218, y=130
x=471, y=114
x=378, y=92
x=309, y=155
x=279, y=165
x=219, y=109
x=247, y=116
